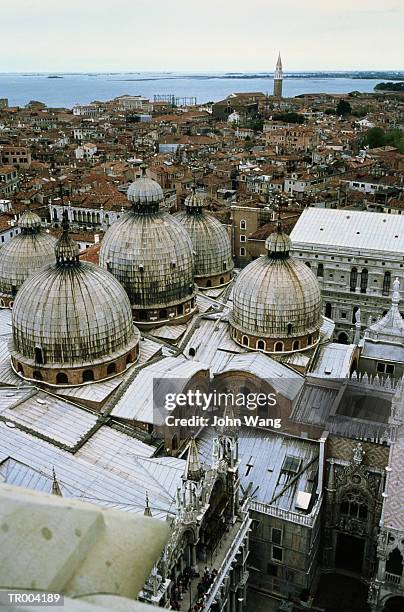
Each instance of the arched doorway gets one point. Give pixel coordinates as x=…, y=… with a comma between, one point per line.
x=342, y=338
x=394, y=604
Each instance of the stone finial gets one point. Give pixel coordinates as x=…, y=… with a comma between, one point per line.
x=358, y=454
x=147, y=509
x=56, y=490
x=193, y=468
x=396, y=292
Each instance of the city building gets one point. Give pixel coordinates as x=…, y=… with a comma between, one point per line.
x=355, y=256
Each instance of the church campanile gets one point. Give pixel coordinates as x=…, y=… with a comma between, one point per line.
x=278, y=78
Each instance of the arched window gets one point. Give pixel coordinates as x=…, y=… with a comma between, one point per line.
x=320, y=269
x=279, y=347
x=221, y=280
x=243, y=224
x=244, y=340
x=355, y=505
x=88, y=375
x=111, y=369
x=289, y=328
x=180, y=309
x=38, y=355
x=142, y=315
x=394, y=563
x=353, y=280
x=355, y=310
x=242, y=251
x=342, y=338
x=37, y=375
x=20, y=368
x=209, y=283
x=364, y=280
x=309, y=340
x=129, y=359
x=224, y=267
x=296, y=345
x=61, y=378
x=192, y=352
x=386, y=283
x=261, y=345
x=1, y=303
x=163, y=313
x=328, y=310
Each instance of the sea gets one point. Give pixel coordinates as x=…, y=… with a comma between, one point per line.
x=69, y=89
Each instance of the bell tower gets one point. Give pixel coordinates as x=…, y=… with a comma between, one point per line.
x=278, y=78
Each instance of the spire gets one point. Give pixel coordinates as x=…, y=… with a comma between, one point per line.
x=193, y=469
x=395, y=299
x=278, y=77
x=56, y=490
x=147, y=509
x=66, y=249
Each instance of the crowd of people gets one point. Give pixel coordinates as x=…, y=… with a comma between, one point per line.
x=182, y=585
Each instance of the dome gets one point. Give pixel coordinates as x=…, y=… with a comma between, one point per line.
x=210, y=242
x=150, y=254
x=72, y=322
x=145, y=191
x=276, y=301
x=25, y=253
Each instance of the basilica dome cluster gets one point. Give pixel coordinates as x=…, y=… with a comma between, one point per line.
x=276, y=301
x=28, y=251
x=75, y=322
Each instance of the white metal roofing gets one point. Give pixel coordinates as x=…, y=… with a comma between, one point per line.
x=136, y=401
x=350, y=229
x=261, y=455
x=46, y=415
x=284, y=380
x=334, y=360
x=212, y=344
x=5, y=322
x=117, y=481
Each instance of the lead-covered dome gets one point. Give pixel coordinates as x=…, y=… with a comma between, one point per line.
x=210, y=241
x=24, y=254
x=276, y=301
x=72, y=322
x=150, y=254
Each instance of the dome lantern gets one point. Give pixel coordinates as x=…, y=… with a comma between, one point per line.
x=145, y=194
x=66, y=249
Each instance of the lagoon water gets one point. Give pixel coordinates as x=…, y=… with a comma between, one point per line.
x=74, y=89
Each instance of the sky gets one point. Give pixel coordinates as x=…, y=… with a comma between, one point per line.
x=203, y=35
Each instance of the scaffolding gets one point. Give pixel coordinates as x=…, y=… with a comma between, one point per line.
x=175, y=100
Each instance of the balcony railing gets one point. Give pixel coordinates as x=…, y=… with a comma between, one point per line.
x=225, y=566
x=287, y=515
x=392, y=578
